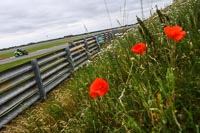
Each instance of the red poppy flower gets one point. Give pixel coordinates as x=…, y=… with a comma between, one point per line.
x=98, y=87
x=174, y=32
x=139, y=48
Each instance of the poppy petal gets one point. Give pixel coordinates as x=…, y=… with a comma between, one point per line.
x=93, y=94
x=139, y=48
x=98, y=87
x=174, y=32
x=180, y=36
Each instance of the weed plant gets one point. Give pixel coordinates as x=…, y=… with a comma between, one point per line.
x=158, y=91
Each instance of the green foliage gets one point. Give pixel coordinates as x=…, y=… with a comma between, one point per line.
x=155, y=92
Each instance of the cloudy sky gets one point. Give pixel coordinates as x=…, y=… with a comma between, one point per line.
x=25, y=21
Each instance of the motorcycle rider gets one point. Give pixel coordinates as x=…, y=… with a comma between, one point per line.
x=18, y=52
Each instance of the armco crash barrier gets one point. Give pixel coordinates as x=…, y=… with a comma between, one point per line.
x=23, y=85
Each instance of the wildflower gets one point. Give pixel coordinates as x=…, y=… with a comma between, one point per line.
x=174, y=32
x=98, y=87
x=132, y=58
x=139, y=48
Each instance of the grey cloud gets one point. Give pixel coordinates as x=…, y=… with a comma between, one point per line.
x=36, y=16
x=40, y=13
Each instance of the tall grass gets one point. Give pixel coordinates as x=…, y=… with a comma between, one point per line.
x=155, y=92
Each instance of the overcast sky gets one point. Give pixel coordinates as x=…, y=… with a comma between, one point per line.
x=25, y=21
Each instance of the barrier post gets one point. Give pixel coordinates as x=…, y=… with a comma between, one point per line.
x=69, y=59
x=87, y=49
x=38, y=79
x=98, y=45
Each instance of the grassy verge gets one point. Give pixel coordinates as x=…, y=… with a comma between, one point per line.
x=154, y=92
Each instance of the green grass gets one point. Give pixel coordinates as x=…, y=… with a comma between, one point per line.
x=155, y=92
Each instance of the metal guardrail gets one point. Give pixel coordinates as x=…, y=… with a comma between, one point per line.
x=25, y=84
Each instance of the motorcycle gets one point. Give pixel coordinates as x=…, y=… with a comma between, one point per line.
x=20, y=53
